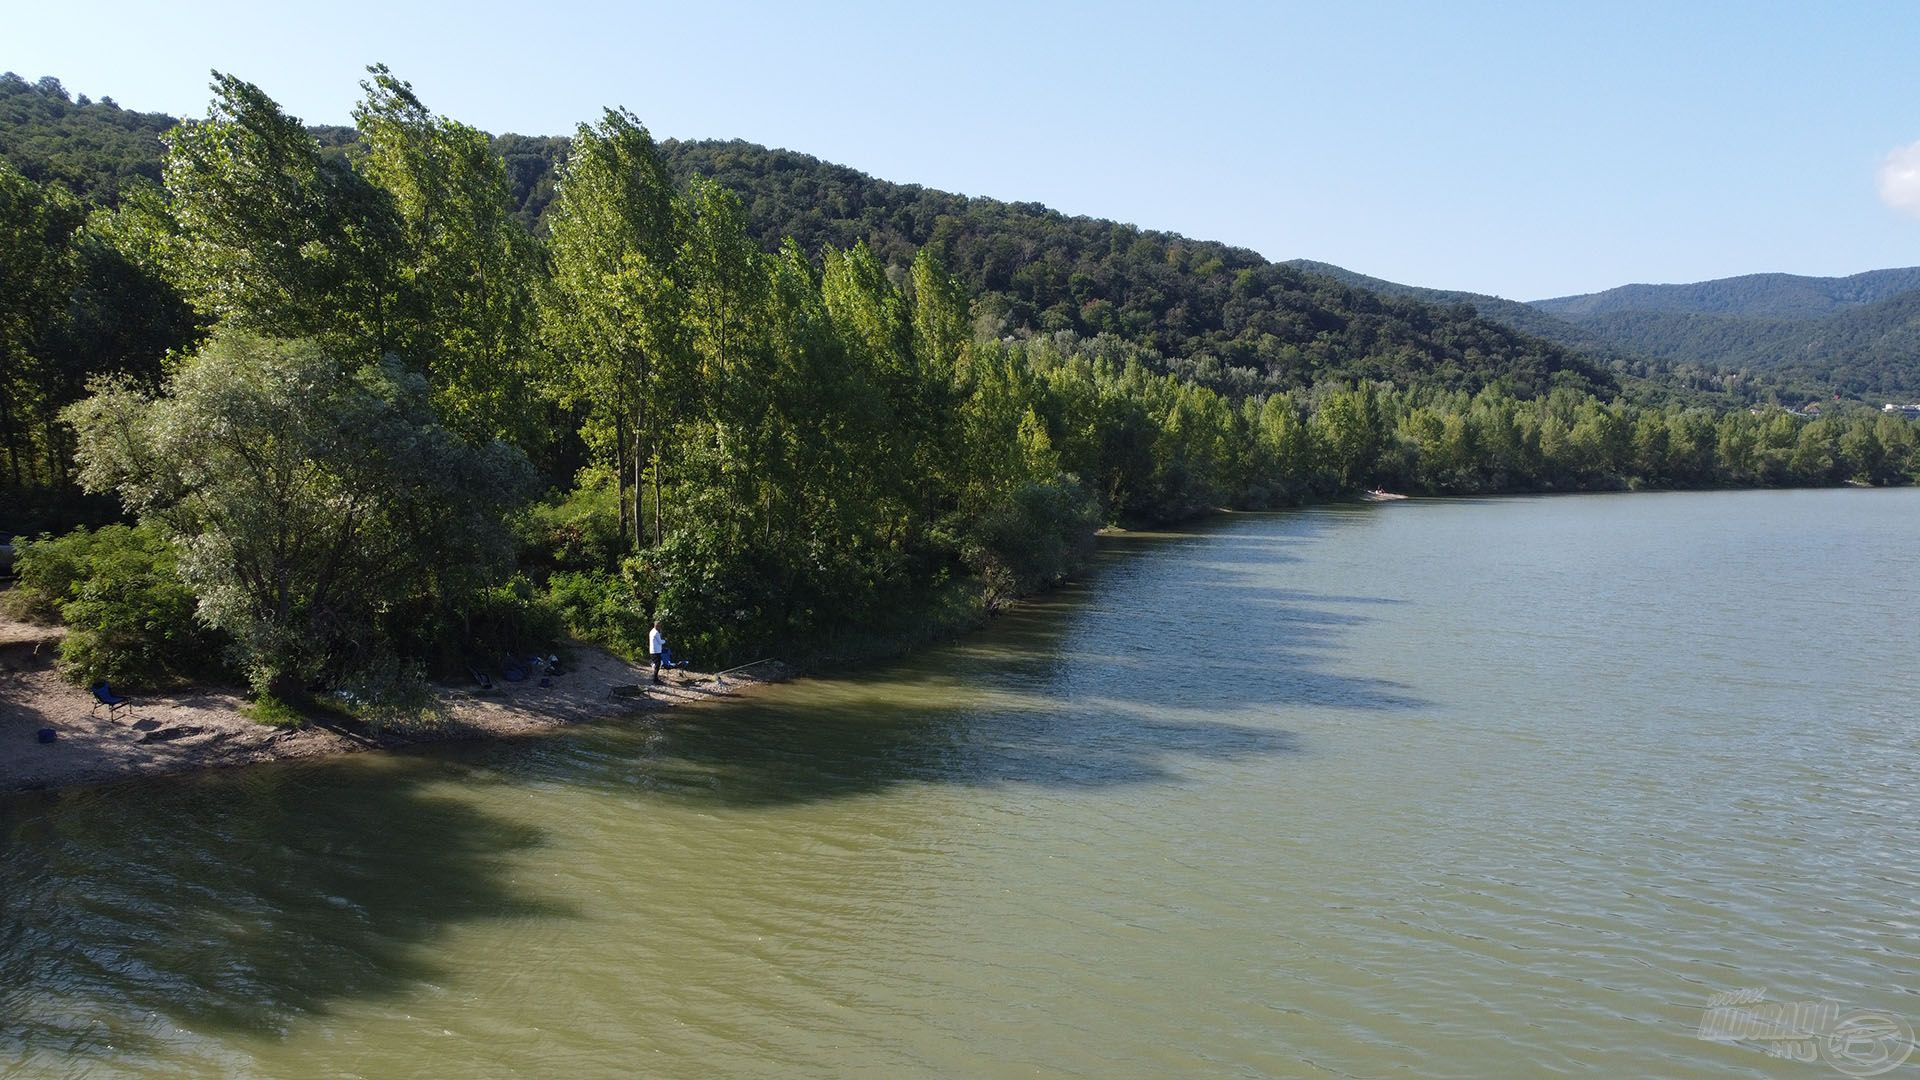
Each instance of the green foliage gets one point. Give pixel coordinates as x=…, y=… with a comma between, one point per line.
x=611, y=307
x=273, y=712
x=512, y=618
x=600, y=606
x=95, y=149
x=463, y=306
x=73, y=305
x=272, y=236
x=798, y=404
x=1038, y=536
x=46, y=572
x=578, y=531
x=129, y=617
x=321, y=509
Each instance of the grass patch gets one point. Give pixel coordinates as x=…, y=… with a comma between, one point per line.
x=273, y=712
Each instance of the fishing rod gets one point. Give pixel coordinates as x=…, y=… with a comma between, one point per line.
x=742, y=667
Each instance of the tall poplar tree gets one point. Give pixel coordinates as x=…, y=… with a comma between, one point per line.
x=466, y=271
x=613, y=311
x=275, y=238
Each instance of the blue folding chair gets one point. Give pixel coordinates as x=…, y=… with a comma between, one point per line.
x=103, y=695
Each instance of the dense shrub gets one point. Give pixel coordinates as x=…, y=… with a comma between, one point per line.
x=129, y=617
x=1035, y=538
x=579, y=531
x=513, y=618
x=600, y=607
x=719, y=600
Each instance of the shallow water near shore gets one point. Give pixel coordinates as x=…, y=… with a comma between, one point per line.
x=1455, y=788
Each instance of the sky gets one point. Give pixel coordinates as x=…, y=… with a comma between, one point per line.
x=1524, y=149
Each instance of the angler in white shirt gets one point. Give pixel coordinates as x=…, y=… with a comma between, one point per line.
x=656, y=648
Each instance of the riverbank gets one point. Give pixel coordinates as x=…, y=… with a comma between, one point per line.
x=201, y=728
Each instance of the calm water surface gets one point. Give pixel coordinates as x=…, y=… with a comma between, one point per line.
x=1492, y=787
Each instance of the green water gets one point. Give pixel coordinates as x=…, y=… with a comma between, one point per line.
x=1478, y=787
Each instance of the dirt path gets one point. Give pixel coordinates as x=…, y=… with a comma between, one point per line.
x=204, y=728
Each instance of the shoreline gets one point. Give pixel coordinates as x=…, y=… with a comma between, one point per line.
x=195, y=729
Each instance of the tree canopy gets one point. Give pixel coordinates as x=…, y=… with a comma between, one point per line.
x=321, y=509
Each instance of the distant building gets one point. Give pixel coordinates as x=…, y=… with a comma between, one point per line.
x=1911, y=412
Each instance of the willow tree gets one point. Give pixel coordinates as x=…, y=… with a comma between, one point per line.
x=613, y=309
x=322, y=511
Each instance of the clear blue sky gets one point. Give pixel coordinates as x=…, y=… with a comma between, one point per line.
x=1524, y=149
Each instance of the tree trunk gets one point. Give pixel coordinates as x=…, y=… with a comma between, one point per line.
x=640, y=456
x=12, y=436
x=620, y=478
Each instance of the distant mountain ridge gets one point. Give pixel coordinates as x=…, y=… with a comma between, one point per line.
x=1858, y=334
x=1767, y=296
x=1870, y=349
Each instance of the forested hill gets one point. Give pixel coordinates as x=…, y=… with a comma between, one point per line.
x=92, y=147
x=1868, y=351
x=1664, y=374
x=1757, y=296
x=1521, y=316
x=1219, y=314
x=1772, y=336
x=1859, y=335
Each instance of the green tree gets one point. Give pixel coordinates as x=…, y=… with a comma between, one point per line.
x=613, y=309
x=37, y=275
x=274, y=237
x=322, y=512
x=463, y=303
x=1349, y=427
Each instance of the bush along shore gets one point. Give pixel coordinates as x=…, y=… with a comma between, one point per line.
x=397, y=439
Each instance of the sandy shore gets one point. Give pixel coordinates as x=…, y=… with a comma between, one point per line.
x=197, y=729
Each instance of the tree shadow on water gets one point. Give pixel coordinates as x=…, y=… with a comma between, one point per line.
x=234, y=904
x=773, y=752
x=1070, y=692
x=1175, y=652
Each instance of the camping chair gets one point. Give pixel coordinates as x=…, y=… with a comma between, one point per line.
x=481, y=679
x=103, y=695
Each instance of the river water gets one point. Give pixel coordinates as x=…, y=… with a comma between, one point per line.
x=1496, y=787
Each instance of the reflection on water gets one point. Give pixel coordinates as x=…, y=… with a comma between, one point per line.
x=1503, y=787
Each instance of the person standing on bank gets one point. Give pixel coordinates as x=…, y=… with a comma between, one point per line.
x=657, y=648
